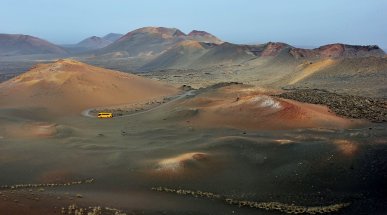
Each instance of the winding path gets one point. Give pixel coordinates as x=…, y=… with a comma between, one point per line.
x=86, y=113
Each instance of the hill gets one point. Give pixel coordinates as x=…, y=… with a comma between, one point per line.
x=18, y=44
x=361, y=76
x=146, y=41
x=68, y=87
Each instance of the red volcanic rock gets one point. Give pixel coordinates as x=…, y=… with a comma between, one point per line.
x=333, y=50
x=272, y=49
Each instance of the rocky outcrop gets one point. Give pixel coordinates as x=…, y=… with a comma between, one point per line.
x=273, y=49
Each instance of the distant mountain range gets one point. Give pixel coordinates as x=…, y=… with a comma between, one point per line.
x=156, y=48
x=160, y=43
x=273, y=64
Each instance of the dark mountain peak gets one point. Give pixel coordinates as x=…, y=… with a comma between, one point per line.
x=19, y=44
x=95, y=38
x=276, y=44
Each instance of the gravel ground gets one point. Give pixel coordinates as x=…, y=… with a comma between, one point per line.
x=350, y=106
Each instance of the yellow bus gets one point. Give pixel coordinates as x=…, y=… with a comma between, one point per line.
x=105, y=115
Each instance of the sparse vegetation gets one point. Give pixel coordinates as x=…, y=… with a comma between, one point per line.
x=276, y=206
x=92, y=210
x=23, y=186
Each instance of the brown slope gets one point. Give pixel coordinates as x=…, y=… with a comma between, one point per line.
x=182, y=55
x=360, y=76
x=226, y=53
x=17, y=44
x=68, y=87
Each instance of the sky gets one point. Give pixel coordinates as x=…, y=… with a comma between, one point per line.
x=297, y=22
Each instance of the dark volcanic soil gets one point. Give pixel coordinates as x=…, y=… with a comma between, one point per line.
x=155, y=162
x=351, y=106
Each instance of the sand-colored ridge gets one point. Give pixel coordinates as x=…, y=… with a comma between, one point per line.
x=308, y=69
x=68, y=87
x=190, y=43
x=177, y=163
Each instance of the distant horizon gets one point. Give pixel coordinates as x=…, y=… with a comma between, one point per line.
x=248, y=43
x=298, y=23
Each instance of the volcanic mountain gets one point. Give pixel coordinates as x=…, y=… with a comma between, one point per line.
x=18, y=44
x=146, y=41
x=151, y=41
x=68, y=87
x=94, y=42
